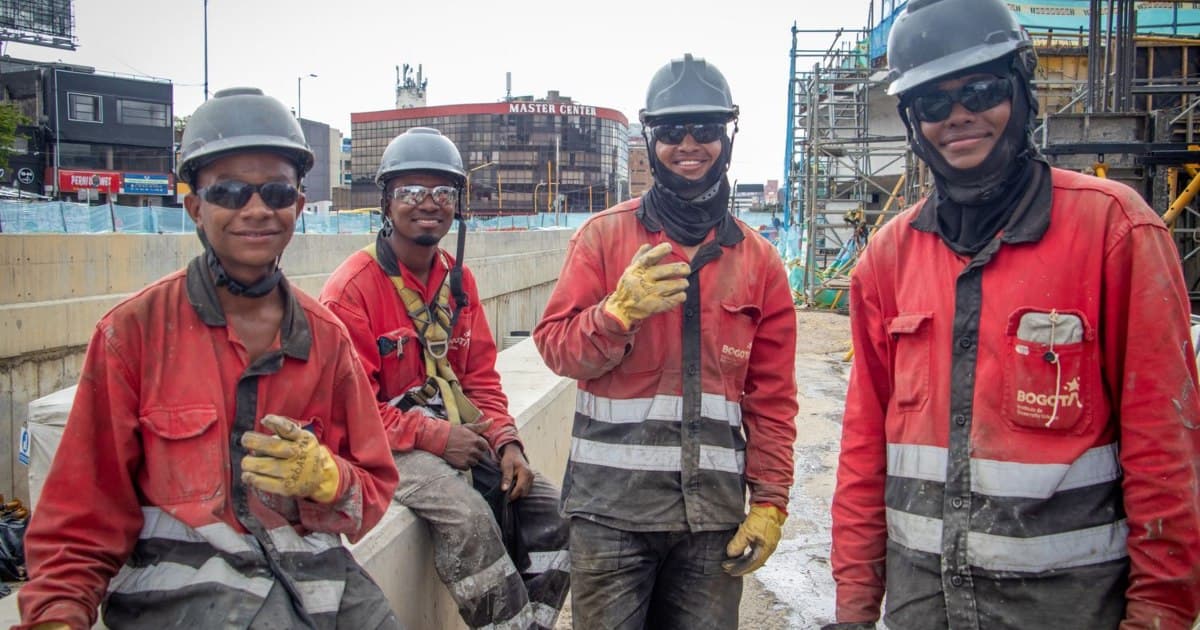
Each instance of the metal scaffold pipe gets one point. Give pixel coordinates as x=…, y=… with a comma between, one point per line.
x=1182, y=201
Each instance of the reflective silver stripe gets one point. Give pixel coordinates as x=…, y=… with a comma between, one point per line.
x=1008, y=479
x=543, y=561
x=722, y=459
x=544, y=615
x=657, y=458
x=520, y=621
x=661, y=407
x=158, y=524
x=170, y=576
x=627, y=456
x=321, y=596
x=475, y=586
x=1077, y=548
x=288, y=541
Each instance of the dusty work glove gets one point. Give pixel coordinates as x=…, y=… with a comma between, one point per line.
x=291, y=462
x=850, y=625
x=647, y=288
x=760, y=533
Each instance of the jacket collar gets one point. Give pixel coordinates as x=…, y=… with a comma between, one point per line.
x=294, y=334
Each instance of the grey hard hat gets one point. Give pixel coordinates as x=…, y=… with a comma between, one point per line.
x=420, y=149
x=239, y=119
x=933, y=39
x=688, y=86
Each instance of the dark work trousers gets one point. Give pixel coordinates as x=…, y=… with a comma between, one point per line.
x=622, y=580
x=363, y=607
x=469, y=552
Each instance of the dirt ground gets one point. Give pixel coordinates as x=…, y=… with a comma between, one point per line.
x=801, y=563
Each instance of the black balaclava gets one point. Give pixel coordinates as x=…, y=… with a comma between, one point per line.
x=261, y=287
x=689, y=209
x=972, y=205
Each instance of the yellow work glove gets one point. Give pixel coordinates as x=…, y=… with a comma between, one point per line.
x=291, y=462
x=52, y=625
x=760, y=533
x=646, y=287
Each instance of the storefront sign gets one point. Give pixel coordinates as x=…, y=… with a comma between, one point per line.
x=145, y=184
x=557, y=109
x=104, y=181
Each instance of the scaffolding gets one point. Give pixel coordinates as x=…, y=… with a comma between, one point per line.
x=1119, y=98
x=841, y=180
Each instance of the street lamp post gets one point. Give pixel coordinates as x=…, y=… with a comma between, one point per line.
x=535, y=196
x=298, y=80
x=485, y=164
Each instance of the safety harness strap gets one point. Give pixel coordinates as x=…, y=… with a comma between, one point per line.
x=433, y=326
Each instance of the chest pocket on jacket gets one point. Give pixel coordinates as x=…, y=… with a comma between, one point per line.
x=184, y=454
x=735, y=338
x=913, y=335
x=399, y=354
x=1050, y=376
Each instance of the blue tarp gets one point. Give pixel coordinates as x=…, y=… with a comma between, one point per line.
x=75, y=218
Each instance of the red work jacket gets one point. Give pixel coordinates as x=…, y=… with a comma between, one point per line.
x=364, y=297
x=675, y=417
x=144, y=475
x=1020, y=445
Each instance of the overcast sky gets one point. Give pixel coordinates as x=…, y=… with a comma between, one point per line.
x=598, y=53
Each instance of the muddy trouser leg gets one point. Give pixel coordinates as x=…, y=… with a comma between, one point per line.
x=612, y=576
x=692, y=591
x=544, y=534
x=468, y=552
x=364, y=606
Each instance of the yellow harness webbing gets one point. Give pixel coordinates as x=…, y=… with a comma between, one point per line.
x=432, y=323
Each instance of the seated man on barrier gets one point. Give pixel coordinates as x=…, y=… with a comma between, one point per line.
x=223, y=436
x=422, y=335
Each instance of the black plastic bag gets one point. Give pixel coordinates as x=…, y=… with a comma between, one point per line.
x=486, y=477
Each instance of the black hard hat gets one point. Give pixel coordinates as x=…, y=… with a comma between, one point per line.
x=420, y=149
x=933, y=39
x=688, y=86
x=240, y=119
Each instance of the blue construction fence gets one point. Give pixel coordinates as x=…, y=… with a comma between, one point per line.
x=61, y=217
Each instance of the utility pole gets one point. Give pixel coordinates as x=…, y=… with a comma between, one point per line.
x=206, y=50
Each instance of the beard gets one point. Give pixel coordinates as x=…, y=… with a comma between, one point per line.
x=427, y=240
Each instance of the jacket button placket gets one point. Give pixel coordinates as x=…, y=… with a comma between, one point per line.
x=956, y=512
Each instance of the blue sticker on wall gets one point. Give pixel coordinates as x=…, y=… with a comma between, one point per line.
x=23, y=451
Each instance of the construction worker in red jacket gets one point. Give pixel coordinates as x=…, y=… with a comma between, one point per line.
x=223, y=437
x=422, y=335
x=678, y=323
x=1021, y=441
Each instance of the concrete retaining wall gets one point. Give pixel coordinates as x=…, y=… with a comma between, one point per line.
x=54, y=287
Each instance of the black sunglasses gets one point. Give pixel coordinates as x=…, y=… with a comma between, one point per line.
x=976, y=96
x=702, y=133
x=234, y=194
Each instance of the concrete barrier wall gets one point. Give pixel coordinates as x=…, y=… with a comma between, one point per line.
x=54, y=287
x=398, y=553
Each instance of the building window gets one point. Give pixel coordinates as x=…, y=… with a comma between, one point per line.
x=141, y=113
x=84, y=108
